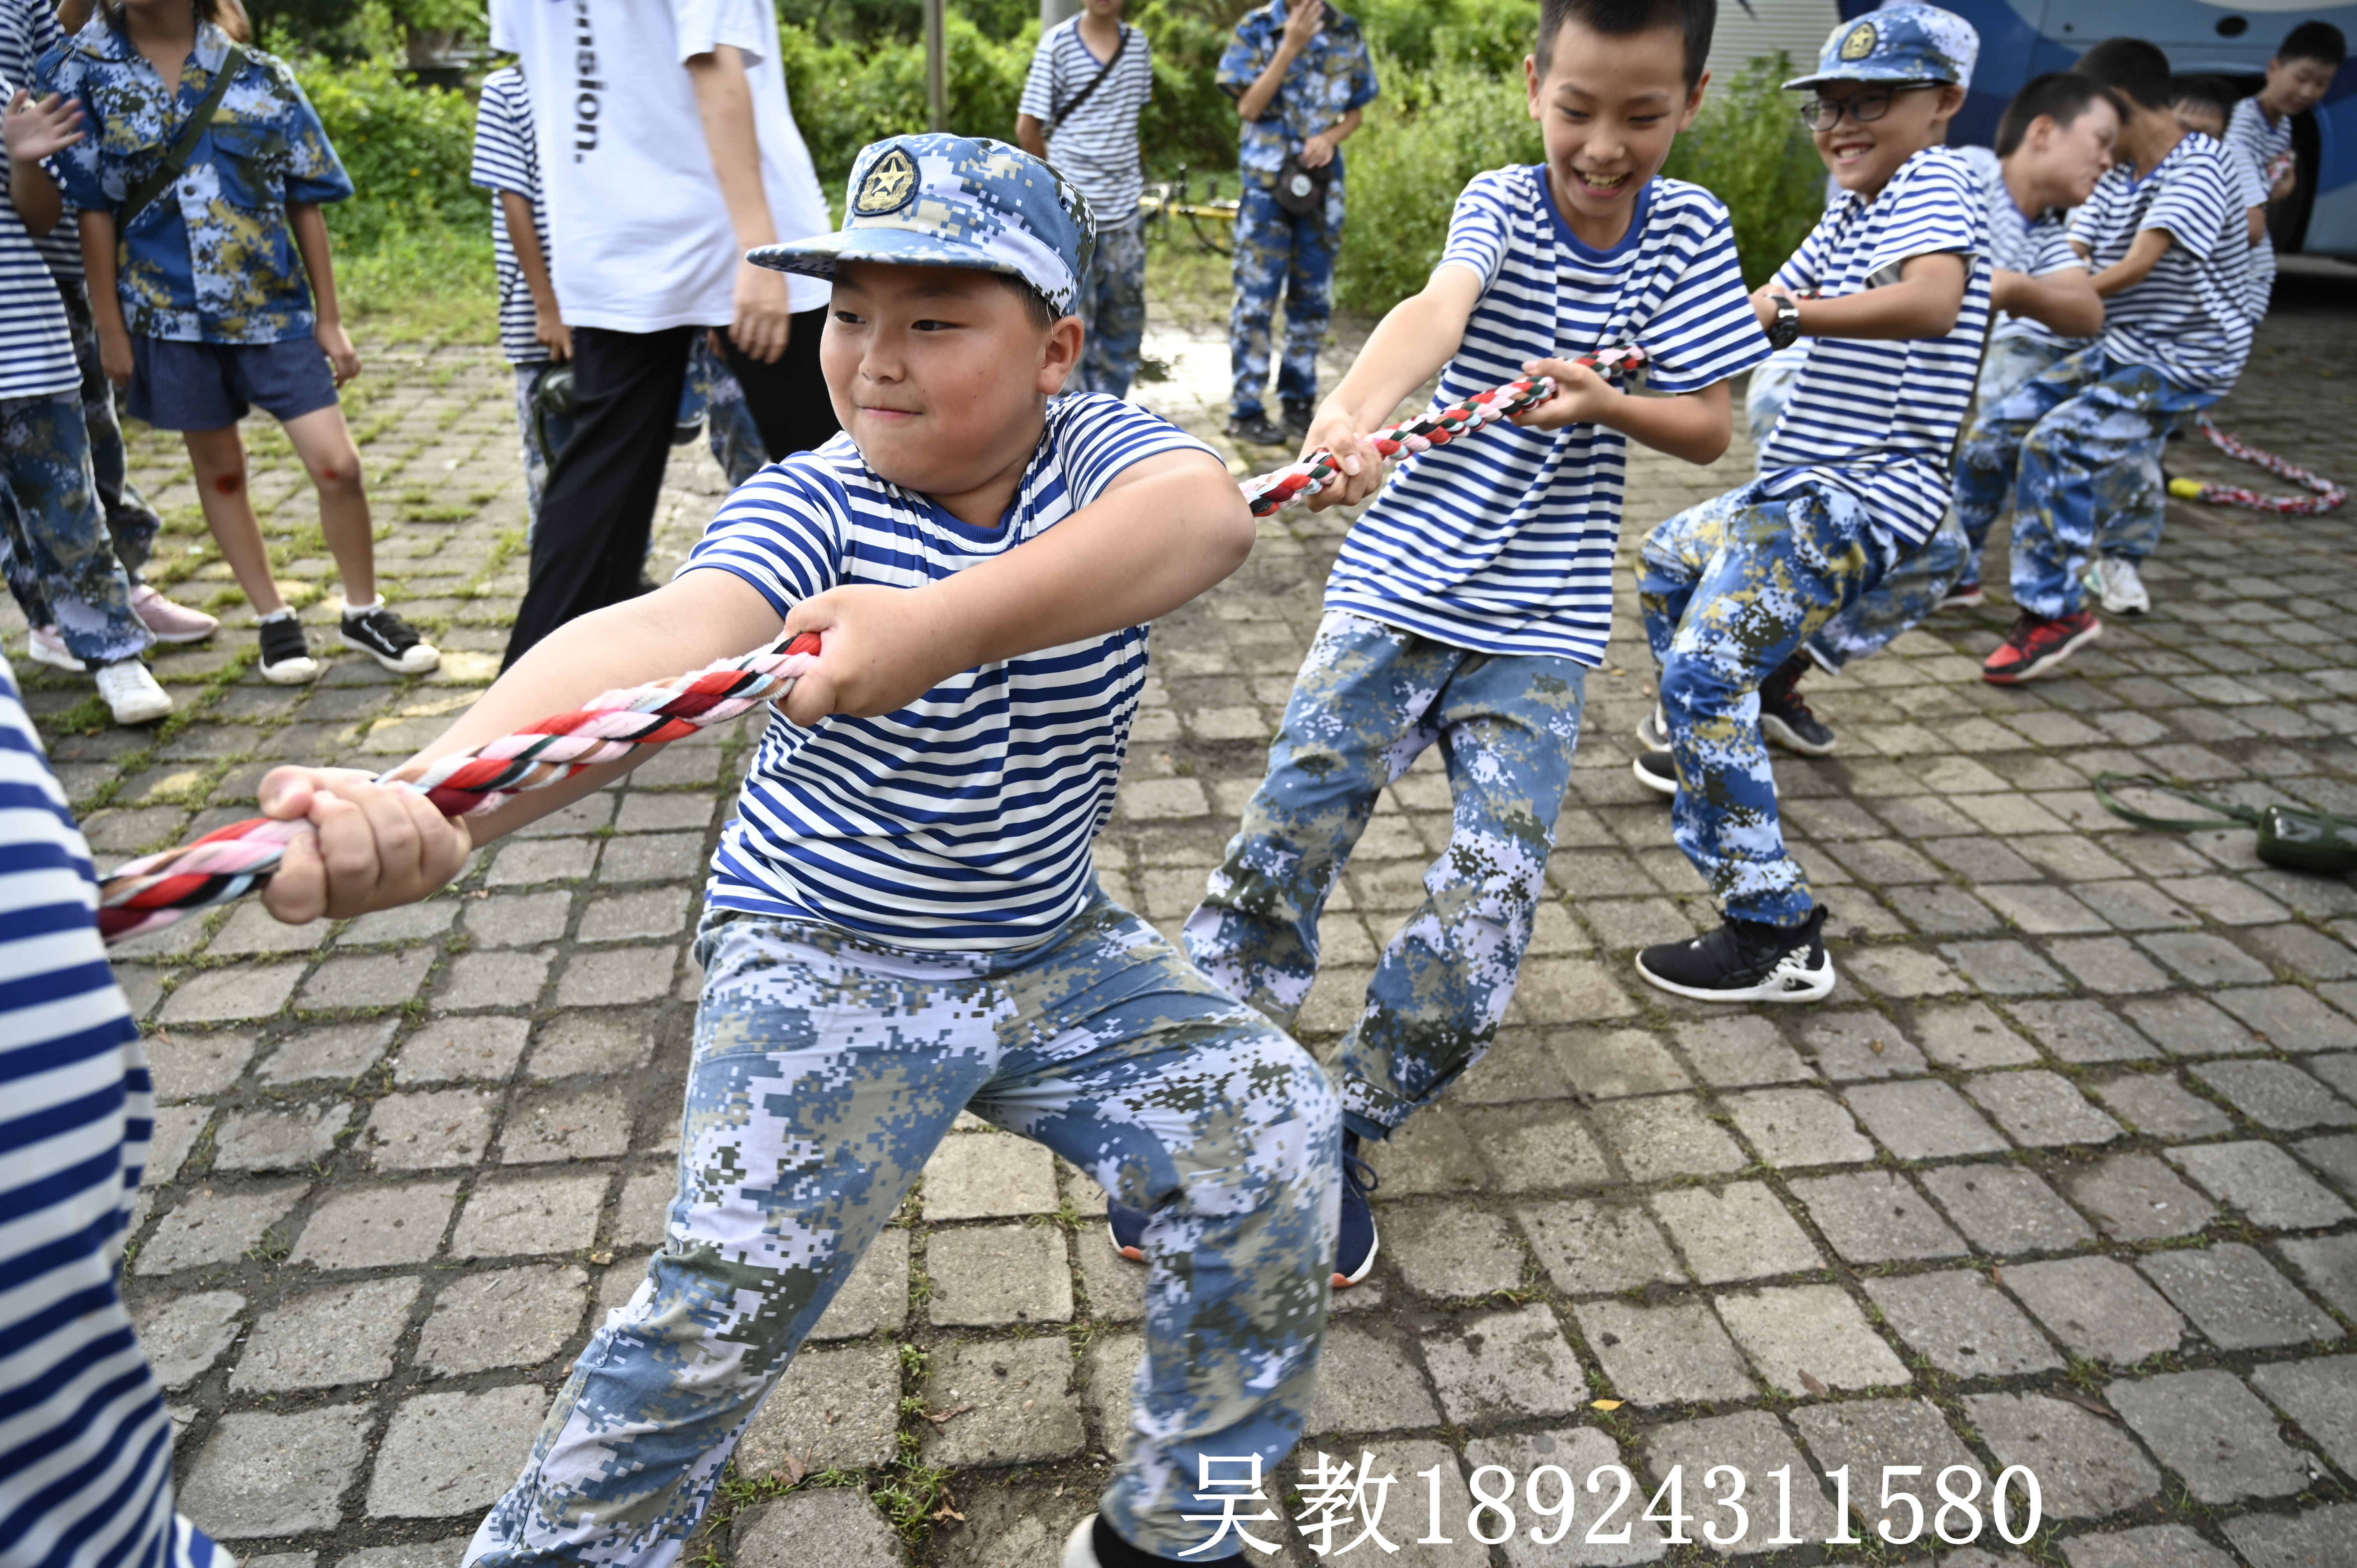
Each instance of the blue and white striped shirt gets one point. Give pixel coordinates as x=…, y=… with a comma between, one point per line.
x=2261, y=142
x=1502, y=543
x=28, y=29
x=37, y=354
x=1096, y=148
x=2019, y=243
x=1877, y=418
x=507, y=159
x=2190, y=317
x=961, y=822
x=85, y=1446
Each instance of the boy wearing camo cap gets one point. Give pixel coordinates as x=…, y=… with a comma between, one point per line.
x=902, y=921
x=1890, y=293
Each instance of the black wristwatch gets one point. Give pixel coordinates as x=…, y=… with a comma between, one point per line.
x=1785, y=330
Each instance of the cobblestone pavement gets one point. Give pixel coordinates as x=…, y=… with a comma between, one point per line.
x=2060, y=1178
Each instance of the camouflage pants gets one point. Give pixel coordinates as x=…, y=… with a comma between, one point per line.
x=60, y=558
x=1113, y=307
x=1368, y=701
x=129, y=519
x=1731, y=589
x=827, y=1072
x=2082, y=442
x=1277, y=253
x=728, y=427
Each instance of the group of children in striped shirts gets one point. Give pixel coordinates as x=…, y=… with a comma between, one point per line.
x=196, y=279
x=902, y=922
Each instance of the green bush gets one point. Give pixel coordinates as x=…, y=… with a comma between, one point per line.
x=408, y=150
x=845, y=94
x=1747, y=148
x=1429, y=133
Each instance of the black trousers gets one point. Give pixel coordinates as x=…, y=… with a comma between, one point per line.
x=598, y=507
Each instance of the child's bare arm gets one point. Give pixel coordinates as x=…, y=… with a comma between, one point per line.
x=1923, y=303
x=1407, y=348
x=2065, y=300
x=106, y=302
x=1163, y=531
x=724, y=97
x=1695, y=425
x=310, y=226
x=547, y=321
x=681, y=626
x=2137, y=265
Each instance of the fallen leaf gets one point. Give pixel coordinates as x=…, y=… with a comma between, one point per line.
x=1808, y=1381
x=601, y=1258
x=1996, y=1275
x=945, y=1511
x=165, y=1036
x=1877, y=1047
x=954, y=1410
x=2083, y=1402
x=1606, y=1404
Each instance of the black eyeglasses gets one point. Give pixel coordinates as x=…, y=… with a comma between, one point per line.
x=1865, y=107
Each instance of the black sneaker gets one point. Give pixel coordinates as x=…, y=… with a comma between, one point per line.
x=1654, y=771
x=390, y=640
x=1746, y=961
x=286, y=653
x=1653, y=730
x=1354, y=1247
x=1784, y=714
x=1297, y=417
x=1255, y=431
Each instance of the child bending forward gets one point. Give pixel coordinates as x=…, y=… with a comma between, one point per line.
x=902, y=922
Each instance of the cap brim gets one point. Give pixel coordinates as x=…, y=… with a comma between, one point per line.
x=820, y=256
x=1863, y=73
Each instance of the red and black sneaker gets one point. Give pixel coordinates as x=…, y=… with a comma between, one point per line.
x=2037, y=645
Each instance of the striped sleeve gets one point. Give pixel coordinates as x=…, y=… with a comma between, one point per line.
x=1934, y=216
x=782, y=530
x=1705, y=328
x=1482, y=227
x=503, y=153
x=1101, y=437
x=1040, y=83
x=2195, y=204
x=1805, y=268
x=85, y=1468
x=2050, y=251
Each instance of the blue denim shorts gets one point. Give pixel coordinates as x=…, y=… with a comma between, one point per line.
x=211, y=386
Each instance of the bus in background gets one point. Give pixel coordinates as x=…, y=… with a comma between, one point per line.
x=2022, y=39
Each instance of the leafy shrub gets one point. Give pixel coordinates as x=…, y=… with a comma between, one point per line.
x=846, y=95
x=408, y=150
x=1749, y=149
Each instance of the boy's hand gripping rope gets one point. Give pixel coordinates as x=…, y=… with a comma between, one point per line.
x=2328, y=494
x=1315, y=472
x=150, y=893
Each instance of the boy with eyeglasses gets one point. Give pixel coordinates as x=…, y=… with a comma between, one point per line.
x=1891, y=292
x=2053, y=143
x=2167, y=234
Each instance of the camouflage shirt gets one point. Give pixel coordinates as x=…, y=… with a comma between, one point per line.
x=1325, y=82
x=212, y=259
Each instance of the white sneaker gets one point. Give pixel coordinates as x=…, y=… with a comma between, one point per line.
x=1080, y=1546
x=44, y=646
x=2120, y=587
x=132, y=692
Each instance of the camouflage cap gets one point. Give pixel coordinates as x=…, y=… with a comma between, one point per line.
x=954, y=201
x=1897, y=43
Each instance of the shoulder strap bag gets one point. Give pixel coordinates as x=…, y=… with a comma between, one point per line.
x=160, y=177
x=1068, y=110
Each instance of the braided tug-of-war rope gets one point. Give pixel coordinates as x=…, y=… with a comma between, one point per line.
x=2328, y=494
x=149, y=893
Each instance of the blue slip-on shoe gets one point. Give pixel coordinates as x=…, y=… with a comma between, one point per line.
x=1354, y=1249
x=1127, y=1227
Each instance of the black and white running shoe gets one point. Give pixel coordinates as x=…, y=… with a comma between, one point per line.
x=1654, y=771
x=1746, y=961
x=1785, y=716
x=286, y=653
x=390, y=640
x=1653, y=730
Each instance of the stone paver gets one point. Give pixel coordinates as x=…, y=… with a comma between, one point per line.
x=2115, y=1071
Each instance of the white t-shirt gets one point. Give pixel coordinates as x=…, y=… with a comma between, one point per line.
x=640, y=235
